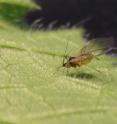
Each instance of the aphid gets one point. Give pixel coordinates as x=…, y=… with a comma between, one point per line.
x=83, y=58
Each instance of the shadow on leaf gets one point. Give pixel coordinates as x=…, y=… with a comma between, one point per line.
x=81, y=75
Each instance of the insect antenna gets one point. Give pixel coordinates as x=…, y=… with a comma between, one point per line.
x=65, y=56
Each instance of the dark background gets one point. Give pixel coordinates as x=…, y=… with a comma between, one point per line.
x=97, y=17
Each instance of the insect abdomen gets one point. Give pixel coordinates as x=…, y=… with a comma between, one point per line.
x=84, y=59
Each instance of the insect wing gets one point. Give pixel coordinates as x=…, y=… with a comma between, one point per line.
x=93, y=48
x=87, y=48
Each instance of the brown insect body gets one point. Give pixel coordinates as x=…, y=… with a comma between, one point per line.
x=85, y=57
x=87, y=53
x=79, y=60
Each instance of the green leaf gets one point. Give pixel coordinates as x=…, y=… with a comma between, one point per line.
x=34, y=91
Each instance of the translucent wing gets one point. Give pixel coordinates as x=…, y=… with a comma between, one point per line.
x=96, y=45
x=87, y=48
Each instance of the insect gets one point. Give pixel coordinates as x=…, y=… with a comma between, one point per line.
x=84, y=58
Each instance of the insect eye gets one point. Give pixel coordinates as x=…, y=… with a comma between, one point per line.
x=71, y=58
x=64, y=64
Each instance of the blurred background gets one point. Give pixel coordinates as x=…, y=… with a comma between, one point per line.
x=97, y=17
